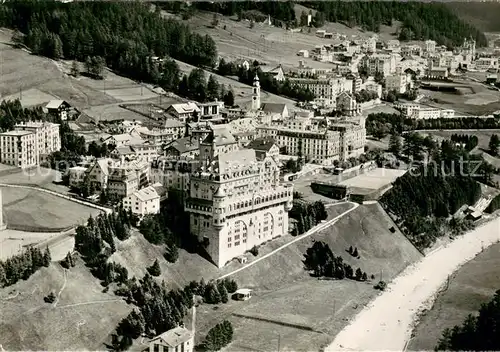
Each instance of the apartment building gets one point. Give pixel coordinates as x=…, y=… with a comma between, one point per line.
x=430, y=46
x=399, y=83
x=237, y=202
x=340, y=140
x=18, y=148
x=418, y=112
x=325, y=90
x=486, y=63
x=47, y=138
x=411, y=50
x=174, y=173
x=383, y=63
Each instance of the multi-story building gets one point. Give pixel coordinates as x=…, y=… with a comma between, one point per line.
x=122, y=182
x=174, y=173
x=411, y=50
x=430, y=46
x=399, y=83
x=183, y=111
x=325, y=90
x=340, y=140
x=47, y=138
x=486, y=63
x=142, y=202
x=76, y=176
x=18, y=148
x=237, y=202
x=418, y=112
x=382, y=63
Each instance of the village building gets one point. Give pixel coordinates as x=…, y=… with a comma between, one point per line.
x=142, y=202
x=17, y=148
x=178, y=339
x=47, y=138
x=183, y=111
x=58, y=108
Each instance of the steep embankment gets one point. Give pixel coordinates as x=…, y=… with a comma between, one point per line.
x=82, y=319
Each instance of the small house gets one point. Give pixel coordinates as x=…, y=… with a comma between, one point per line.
x=243, y=294
x=59, y=108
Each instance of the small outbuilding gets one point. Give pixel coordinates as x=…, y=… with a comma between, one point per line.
x=243, y=294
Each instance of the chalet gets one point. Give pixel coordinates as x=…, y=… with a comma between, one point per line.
x=142, y=202
x=183, y=111
x=59, y=108
x=277, y=73
x=210, y=110
x=178, y=339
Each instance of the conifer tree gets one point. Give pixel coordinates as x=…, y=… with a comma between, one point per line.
x=155, y=269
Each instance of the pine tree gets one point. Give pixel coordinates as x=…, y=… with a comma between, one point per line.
x=359, y=274
x=75, y=69
x=494, y=144
x=355, y=253
x=364, y=277
x=229, y=98
x=350, y=250
x=3, y=276
x=395, y=144
x=212, y=88
x=46, y=257
x=155, y=269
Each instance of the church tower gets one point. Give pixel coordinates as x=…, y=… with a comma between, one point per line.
x=256, y=94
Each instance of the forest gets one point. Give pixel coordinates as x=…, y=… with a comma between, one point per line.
x=420, y=20
x=477, y=333
x=381, y=124
x=125, y=34
x=22, y=266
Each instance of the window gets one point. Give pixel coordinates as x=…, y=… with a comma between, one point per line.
x=229, y=245
x=237, y=243
x=156, y=347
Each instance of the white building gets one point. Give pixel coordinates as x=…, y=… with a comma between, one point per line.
x=18, y=148
x=142, y=202
x=486, y=63
x=237, y=202
x=47, y=138
x=430, y=46
x=76, y=176
x=385, y=64
x=325, y=90
x=178, y=339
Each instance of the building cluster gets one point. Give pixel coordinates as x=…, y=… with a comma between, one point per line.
x=419, y=112
x=29, y=143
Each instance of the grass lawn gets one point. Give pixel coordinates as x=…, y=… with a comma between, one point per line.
x=37, y=211
x=287, y=301
x=82, y=319
x=473, y=284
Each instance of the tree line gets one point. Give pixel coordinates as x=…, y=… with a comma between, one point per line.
x=321, y=261
x=381, y=124
x=95, y=242
x=469, y=142
x=420, y=20
x=307, y=215
x=21, y=266
x=477, y=333
x=125, y=35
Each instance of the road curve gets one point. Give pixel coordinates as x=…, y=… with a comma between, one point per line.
x=312, y=231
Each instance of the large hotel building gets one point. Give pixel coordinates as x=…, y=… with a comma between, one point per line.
x=236, y=201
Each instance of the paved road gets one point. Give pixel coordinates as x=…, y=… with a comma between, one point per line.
x=312, y=231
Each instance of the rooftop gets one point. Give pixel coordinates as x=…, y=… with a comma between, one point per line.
x=174, y=337
x=16, y=133
x=146, y=194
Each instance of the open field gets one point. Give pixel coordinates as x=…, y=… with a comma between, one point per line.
x=39, y=176
x=474, y=99
x=33, y=210
x=473, y=284
x=36, y=80
x=307, y=312
x=374, y=179
x=81, y=318
x=386, y=324
x=12, y=242
x=268, y=44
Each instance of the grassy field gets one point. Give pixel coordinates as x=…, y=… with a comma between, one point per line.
x=36, y=80
x=473, y=284
x=307, y=312
x=476, y=99
x=41, y=211
x=82, y=318
x=268, y=44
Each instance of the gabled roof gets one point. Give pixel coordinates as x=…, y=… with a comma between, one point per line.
x=274, y=70
x=54, y=104
x=276, y=108
x=174, y=337
x=145, y=194
x=185, y=108
x=184, y=145
x=236, y=160
x=220, y=135
x=262, y=144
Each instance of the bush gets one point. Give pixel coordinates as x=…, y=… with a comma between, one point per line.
x=381, y=285
x=219, y=336
x=172, y=254
x=50, y=298
x=231, y=285
x=155, y=269
x=254, y=251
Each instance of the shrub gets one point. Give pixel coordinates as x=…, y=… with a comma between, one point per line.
x=381, y=285
x=50, y=298
x=171, y=255
x=254, y=251
x=155, y=269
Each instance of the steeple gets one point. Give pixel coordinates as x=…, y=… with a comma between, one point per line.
x=256, y=93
